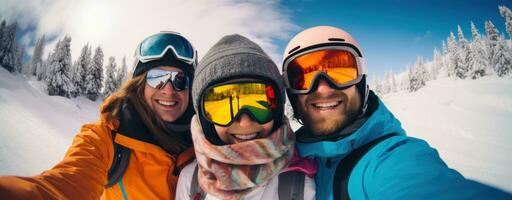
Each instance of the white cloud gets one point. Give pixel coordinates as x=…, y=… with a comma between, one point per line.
x=26, y=40
x=119, y=25
x=425, y=36
x=24, y=12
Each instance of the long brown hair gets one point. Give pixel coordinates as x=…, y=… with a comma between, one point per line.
x=132, y=92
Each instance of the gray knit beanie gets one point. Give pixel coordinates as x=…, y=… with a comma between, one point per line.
x=235, y=56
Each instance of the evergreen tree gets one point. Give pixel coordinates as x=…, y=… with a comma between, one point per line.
x=80, y=69
x=411, y=79
x=386, y=85
x=377, y=87
x=437, y=64
x=42, y=70
x=47, y=76
x=59, y=76
x=18, y=61
x=121, y=74
x=417, y=75
x=444, y=60
x=394, y=87
x=94, y=77
x=507, y=15
x=444, y=48
x=453, y=55
x=8, y=50
x=73, y=73
x=461, y=68
x=110, y=78
x=477, y=55
x=502, y=58
x=491, y=41
x=37, y=57
x=2, y=43
x=422, y=70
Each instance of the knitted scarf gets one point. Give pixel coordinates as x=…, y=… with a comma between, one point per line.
x=232, y=171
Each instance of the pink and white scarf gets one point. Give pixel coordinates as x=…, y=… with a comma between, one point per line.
x=232, y=171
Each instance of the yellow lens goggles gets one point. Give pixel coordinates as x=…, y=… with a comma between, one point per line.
x=223, y=104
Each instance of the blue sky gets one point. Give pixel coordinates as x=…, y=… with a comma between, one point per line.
x=393, y=33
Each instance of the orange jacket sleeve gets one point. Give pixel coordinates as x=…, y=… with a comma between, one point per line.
x=80, y=175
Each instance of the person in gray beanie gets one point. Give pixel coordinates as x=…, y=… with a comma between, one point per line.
x=242, y=139
x=234, y=57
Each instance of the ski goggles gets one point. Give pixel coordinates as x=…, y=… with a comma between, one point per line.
x=225, y=103
x=339, y=65
x=157, y=78
x=154, y=47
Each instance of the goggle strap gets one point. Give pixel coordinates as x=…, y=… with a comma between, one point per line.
x=365, y=102
x=323, y=45
x=145, y=59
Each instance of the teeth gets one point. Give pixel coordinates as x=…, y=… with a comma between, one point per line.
x=327, y=104
x=245, y=136
x=167, y=103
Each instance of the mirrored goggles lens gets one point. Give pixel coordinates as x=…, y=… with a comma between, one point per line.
x=225, y=103
x=339, y=65
x=157, y=45
x=157, y=78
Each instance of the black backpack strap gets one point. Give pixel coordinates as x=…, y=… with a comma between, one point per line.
x=291, y=185
x=119, y=164
x=347, y=164
x=196, y=192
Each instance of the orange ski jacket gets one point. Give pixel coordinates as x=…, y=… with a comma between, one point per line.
x=82, y=173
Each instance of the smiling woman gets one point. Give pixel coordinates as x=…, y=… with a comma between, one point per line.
x=141, y=142
x=244, y=151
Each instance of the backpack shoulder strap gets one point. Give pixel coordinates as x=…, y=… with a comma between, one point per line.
x=291, y=185
x=347, y=164
x=196, y=192
x=119, y=164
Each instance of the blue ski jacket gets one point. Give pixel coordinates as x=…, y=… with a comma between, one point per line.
x=399, y=167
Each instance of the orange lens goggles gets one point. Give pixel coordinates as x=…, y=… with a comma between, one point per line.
x=340, y=66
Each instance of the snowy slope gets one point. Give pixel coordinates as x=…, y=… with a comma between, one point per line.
x=468, y=121
x=36, y=129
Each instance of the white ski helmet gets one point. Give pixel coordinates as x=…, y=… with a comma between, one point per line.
x=323, y=37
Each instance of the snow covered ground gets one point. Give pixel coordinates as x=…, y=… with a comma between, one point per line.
x=36, y=129
x=468, y=121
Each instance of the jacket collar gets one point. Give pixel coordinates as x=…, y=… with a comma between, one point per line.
x=377, y=123
x=131, y=125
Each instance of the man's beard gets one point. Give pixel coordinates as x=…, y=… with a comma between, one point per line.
x=325, y=125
